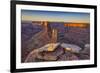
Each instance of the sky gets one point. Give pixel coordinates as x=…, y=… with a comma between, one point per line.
x=54, y=16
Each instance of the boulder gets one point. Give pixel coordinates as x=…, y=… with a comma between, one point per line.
x=71, y=47
x=86, y=49
x=43, y=53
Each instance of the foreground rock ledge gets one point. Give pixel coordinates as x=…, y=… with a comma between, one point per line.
x=60, y=52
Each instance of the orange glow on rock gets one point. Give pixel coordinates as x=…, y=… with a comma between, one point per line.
x=53, y=40
x=76, y=25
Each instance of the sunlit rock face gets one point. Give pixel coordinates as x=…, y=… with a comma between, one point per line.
x=43, y=53
x=71, y=47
